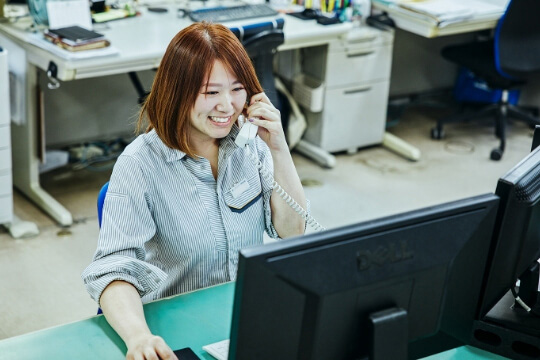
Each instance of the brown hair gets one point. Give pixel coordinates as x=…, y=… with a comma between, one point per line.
x=185, y=67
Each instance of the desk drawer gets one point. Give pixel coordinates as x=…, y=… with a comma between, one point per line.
x=353, y=117
x=358, y=66
x=5, y=148
x=6, y=209
x=5, y=158
x=5, y=136
x=6, y=185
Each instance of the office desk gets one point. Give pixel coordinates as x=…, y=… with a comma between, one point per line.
x=407, y=20
x=141, y=42
x=189, y=320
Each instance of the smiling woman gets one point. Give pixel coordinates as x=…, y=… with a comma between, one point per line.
x=183, y=198
x=197, y=48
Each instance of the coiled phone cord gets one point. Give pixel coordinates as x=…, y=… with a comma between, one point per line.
x=283, y=194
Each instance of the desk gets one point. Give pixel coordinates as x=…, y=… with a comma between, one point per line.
x=189, y=320
x=141, y=42
x=408, y=21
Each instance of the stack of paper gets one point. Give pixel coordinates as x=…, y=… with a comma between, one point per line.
x=444, y=12
x=440, y=10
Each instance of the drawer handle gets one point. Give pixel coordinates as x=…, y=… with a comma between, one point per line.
x=356, y=91
x=360, y=54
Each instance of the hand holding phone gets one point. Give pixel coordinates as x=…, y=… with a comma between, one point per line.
x=247, y=134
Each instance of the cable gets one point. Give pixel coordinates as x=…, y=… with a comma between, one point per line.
x=282, y=193
x=522, y=303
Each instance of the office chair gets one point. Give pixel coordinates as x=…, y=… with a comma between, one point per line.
x=261, y=42
x=100, y=201
x=503, y=63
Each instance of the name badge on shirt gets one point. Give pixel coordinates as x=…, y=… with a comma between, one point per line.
x=239, y=188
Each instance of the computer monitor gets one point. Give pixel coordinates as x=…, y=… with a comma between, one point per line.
x=368, y=289
x=517, y=245
x=505, y=327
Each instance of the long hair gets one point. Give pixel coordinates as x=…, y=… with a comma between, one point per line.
x=185, y=67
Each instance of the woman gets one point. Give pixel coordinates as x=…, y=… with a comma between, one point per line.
x=183, y=198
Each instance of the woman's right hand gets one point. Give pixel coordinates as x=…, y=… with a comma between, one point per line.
x=149, y=347
x=122, y=307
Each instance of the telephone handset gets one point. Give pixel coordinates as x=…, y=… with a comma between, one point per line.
x=246, y=135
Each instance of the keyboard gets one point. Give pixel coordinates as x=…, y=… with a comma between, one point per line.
x=219, y=350
x=224, y=14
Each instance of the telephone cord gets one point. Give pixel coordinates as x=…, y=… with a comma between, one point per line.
x=283, y=194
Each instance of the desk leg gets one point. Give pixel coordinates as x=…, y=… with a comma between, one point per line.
x=401, y=147
x=320, y=156
x=25, y=160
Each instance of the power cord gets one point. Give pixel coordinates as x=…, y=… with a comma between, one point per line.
x=282, y=193
x=522, y=303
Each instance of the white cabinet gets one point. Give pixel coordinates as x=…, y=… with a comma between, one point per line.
x=356, y=74
x=6, y=192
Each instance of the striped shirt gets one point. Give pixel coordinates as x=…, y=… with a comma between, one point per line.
x=169, y=227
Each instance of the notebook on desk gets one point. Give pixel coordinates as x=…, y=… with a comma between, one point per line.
x=76, y=38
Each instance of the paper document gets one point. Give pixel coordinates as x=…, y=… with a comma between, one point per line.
x=444, y=12
x=68, y=13
x=441, y=10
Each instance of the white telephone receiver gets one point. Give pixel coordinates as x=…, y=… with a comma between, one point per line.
x=247, y=134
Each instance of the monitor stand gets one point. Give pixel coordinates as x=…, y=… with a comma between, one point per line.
x=508, y=329
x=389, y=329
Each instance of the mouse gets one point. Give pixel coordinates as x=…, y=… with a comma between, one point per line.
x=311, y=13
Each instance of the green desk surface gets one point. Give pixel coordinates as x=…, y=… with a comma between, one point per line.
x=188, y=320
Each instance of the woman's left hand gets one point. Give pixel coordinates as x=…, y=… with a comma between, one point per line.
x=262, y=113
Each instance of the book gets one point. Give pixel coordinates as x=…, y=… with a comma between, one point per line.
x=74, y=35
x=76, y=38
x=79, y=47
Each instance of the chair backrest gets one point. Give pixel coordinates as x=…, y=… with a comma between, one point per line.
x=517, y=39
x=101, y=200
x=261, y=41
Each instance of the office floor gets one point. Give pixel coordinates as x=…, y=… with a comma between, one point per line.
x=40, y=283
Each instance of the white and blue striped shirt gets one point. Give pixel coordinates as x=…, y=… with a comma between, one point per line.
x=169, y=227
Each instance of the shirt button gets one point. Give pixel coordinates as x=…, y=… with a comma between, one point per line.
x=148, y=271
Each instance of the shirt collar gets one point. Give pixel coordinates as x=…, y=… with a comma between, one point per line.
x=171, y=155
x=159, y=146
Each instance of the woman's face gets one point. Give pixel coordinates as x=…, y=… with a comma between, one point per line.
x=218, y=105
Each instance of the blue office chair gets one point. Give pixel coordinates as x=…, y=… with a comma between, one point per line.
x=503, y=63
x=100, y=201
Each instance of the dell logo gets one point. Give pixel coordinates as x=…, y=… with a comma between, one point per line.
x=382, y=255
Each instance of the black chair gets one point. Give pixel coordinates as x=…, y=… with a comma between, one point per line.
x=503, y=62
x=261, y=41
